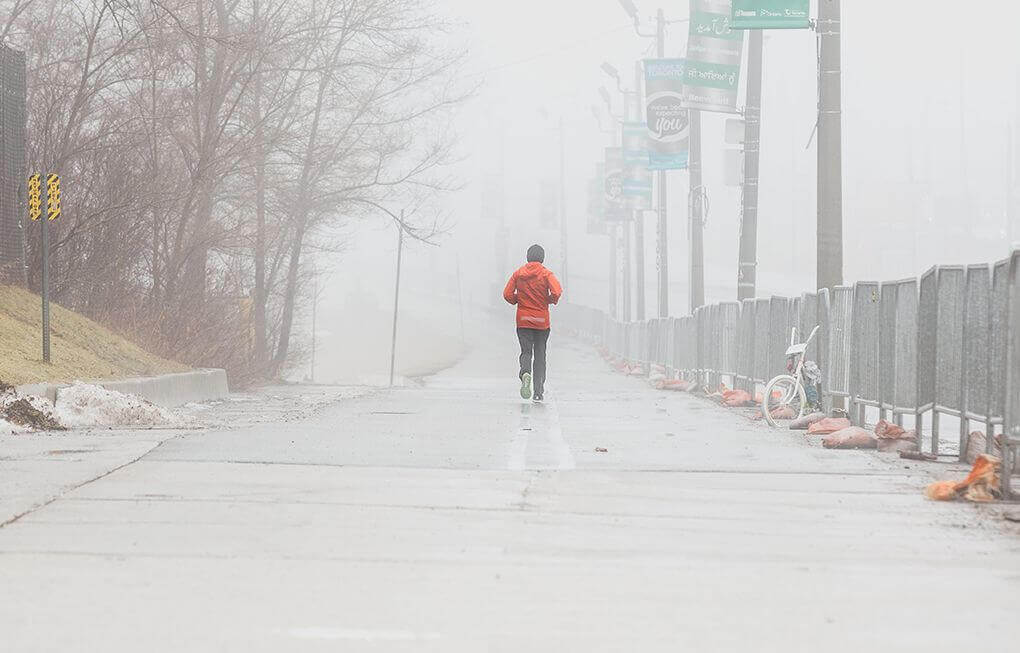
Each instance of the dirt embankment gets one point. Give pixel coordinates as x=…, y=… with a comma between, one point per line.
x=79, y=347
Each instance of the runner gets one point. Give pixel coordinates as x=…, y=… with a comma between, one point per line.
x=533, y=287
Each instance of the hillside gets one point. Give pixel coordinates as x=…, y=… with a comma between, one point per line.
x=80, y=348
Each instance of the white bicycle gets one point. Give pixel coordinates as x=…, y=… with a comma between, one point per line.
x=787, y=390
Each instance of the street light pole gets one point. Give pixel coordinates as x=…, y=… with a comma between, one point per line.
x=747, y=265
x=830, y=156
x=696, y=212
x=662, y=241
x=639, y=218
x=563, y=206
x=625, y=229
x=396, y=298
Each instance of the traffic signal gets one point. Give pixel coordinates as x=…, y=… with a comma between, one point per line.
x=52, y=197
x=34, y=202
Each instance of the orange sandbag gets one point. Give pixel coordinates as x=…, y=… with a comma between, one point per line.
x=906, y=442
x=982, y=484
x=677, y=385
x=736, y=398
x=829, y=425
x=941, y=491
x=784, y=412
x=803, y=423
x=852, y=437
x=888, y=430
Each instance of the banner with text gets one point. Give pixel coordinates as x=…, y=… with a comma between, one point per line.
x=771, y=14
x=714, y=53
x=616, y=209
x=637, y=178
x=668, y=120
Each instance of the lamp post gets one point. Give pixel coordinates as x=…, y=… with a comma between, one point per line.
x=611, y=230
x=662, y=234
x=611, y=71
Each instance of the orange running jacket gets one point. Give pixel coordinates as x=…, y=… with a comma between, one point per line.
x=532, y=287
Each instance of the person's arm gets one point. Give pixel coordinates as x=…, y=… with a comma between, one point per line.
x=555, y=290
x=510, y=292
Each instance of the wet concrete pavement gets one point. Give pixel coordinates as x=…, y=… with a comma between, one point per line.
x=455, y=517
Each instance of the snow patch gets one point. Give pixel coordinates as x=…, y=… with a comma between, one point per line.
x=83, y=405
x=24, y=413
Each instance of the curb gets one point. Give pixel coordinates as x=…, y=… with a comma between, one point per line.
x=167, y=390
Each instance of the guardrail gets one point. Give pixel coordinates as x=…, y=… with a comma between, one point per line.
x=921, y=351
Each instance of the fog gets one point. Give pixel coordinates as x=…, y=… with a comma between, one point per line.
x=930, y=121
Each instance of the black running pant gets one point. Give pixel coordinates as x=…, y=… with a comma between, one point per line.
x=533, y=343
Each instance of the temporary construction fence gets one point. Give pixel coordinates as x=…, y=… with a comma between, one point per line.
x=946, y=345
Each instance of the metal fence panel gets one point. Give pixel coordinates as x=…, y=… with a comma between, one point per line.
x=838, y=336
x=864, y=342
x=701, y=316
x=927, y=326
x=998, y=340
x=794, y=317
x=678, y=344
x=1011, y=436
x=949, y=336
x=887, y=344
x=729, y=316
x=12, y=163
x=762, y=320
x=692, y=344
x=823, y=313
x=779, y=336
x=745, y=341
x=905, y=363
x=976, y=316
x=808, y=320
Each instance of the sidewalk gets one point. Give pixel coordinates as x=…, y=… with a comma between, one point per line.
x=455, y=517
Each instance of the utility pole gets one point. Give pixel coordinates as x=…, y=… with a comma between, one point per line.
x=563, y=207
x=614, y=309
x=315, y=305
x=830, y=166
x=662, y=241
x=396, y=298
x=639, y=217
x=45, y=237
x=747, y=265
x=628, y=315
x=697, y=212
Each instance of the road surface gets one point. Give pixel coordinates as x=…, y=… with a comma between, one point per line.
x=455, y=517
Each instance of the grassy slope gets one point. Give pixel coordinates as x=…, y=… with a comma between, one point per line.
x=79, y=348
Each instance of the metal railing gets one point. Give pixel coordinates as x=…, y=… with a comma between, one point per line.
x=945, y=347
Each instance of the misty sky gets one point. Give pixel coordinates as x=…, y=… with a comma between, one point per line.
x=928, y=104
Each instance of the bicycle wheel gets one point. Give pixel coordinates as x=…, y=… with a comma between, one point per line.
x=782, y=390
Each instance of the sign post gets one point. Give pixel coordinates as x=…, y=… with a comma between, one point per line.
x=50, y=195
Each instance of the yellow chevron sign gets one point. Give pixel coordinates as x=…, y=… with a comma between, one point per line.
x=52, y=197
x=34, y=203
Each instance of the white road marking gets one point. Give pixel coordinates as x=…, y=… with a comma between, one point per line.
x=564, y=459
x=548, y=439
x=519, y=443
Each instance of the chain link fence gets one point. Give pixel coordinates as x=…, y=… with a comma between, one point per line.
x=12, y=164
x=943, y=350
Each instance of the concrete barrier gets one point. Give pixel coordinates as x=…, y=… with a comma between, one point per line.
x=165, y=390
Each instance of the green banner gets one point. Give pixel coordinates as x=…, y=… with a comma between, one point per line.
x=771, y=14
x=714, y=53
